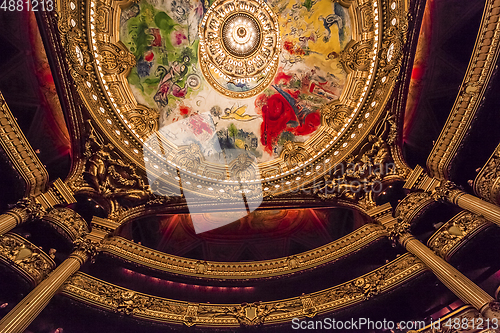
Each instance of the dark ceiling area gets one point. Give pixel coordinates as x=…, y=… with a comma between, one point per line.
x=454, y=30
x=262, y=235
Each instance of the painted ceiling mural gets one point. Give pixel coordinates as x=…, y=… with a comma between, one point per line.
x=163, y=36
x=176, y=94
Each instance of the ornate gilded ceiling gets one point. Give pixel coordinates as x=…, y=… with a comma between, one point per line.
x=146, y=78
x=294, y=106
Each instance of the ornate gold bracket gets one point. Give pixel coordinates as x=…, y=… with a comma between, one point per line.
x=487, y=182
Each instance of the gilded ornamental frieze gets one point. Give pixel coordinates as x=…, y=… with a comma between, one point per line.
x=110, y=297
x=67, y=222
x=454, y=233
x=408, y=211
x=413, y=206
x=24, y=257
x=141, y=255
x=101, y=58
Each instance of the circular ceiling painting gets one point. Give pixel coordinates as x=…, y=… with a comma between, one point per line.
x=236, y=77
x=236, y=96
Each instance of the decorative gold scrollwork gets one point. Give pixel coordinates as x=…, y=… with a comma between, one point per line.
x=356, y=56
x=144, y=120
x=449, y=237
x=115, y=59
x=294, y=154
x=487, y=182
x=69, y=222
x=115, y=298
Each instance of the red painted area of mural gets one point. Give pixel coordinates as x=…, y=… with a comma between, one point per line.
x=149, y=56
x=156, y=37
x=278, y=115
x=178, y=38
x=282, y=77
x=184, y=110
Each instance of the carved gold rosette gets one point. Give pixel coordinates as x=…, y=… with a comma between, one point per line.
x=239, y=43
x=100, y=63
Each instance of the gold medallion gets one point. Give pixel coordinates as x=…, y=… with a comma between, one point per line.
x=239, y=47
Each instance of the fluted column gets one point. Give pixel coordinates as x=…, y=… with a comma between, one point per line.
x=448, y=192
x=458, y=283
x=19, y=318
x=22, y=212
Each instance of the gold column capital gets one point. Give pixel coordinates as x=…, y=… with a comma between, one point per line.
x=404, y=238
x=28, y=208
x=85, y=249
x=22, y=211
x=447, y=191
x=491, y=310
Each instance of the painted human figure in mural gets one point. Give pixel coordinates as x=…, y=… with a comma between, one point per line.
x=168, y=82
x=335, y=18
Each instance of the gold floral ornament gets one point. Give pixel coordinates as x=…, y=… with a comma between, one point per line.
x=239, y=47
